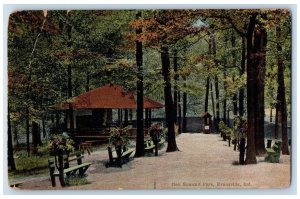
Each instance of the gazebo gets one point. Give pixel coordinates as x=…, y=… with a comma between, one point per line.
x=92, y=111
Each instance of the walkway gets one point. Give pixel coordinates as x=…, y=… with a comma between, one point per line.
x=205, y=161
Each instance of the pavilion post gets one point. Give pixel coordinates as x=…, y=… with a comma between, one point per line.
x=109, y=117
x=150, y=117
x=126, y=117
x=130, y=115
x=147, y=118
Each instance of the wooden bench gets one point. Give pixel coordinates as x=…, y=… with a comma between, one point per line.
x=81, y=168
x=149, y=146
x=274, y=152
x=113, y=157
x=77, y=156
x=161, y=143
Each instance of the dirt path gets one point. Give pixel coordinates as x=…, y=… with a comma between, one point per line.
x=204, y=161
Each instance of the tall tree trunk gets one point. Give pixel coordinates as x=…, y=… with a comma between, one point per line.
x=225, y=88
x=234, y=102
x=276, y=120
x=233, y=52
x=169, y=104
x=44, y=127
x=36, y=135
x=260, y=43
x=179, y=113
x=27, y=132
x=217, y=102
x=224, y=100
x=10, y=149
x=271, y=114
x=206, y=95
x=139, y=151
x=87, y=87
x=57, y=119
x=281, y=94
x=71, y=114
x=251, y=92
x=184, y=109
x=213, y=104
x=176, y=77
x=216, y=85
x=214, y=52
x=210, y=46
x=235, y=107
x=16, y=137
x=242, y=71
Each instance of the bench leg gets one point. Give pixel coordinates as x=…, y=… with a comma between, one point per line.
x=61, y=170
x=83, y=170
x=62, y=180
x=224, y=137
x=119, y=158
x=53, y=180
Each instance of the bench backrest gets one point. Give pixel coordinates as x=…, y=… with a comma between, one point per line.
x=277, y=146
x=67, y=159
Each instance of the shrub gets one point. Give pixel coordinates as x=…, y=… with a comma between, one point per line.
x=118, y=137
x=75, y=181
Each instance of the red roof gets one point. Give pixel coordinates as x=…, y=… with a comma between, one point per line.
x=109, y=96
x=149, y=103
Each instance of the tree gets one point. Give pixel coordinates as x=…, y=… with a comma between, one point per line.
x=259, y=53
x=140, y=95
x=281, y=93
x=10, y=149
x=234, y=60
x=242, y=71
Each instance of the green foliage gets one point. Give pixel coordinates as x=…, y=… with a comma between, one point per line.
x=225, y=129
x=60, y=143
x=118, y=136
x=25, y=164
x=76, y=181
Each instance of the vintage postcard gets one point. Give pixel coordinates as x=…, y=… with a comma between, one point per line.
x=149, y=99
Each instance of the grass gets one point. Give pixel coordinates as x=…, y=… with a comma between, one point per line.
x=27, y=164
x=36, y=165
x=75, y=181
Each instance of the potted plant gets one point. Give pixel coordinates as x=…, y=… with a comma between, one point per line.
x=59, y=145
x=118, y=138
x=155, y=133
